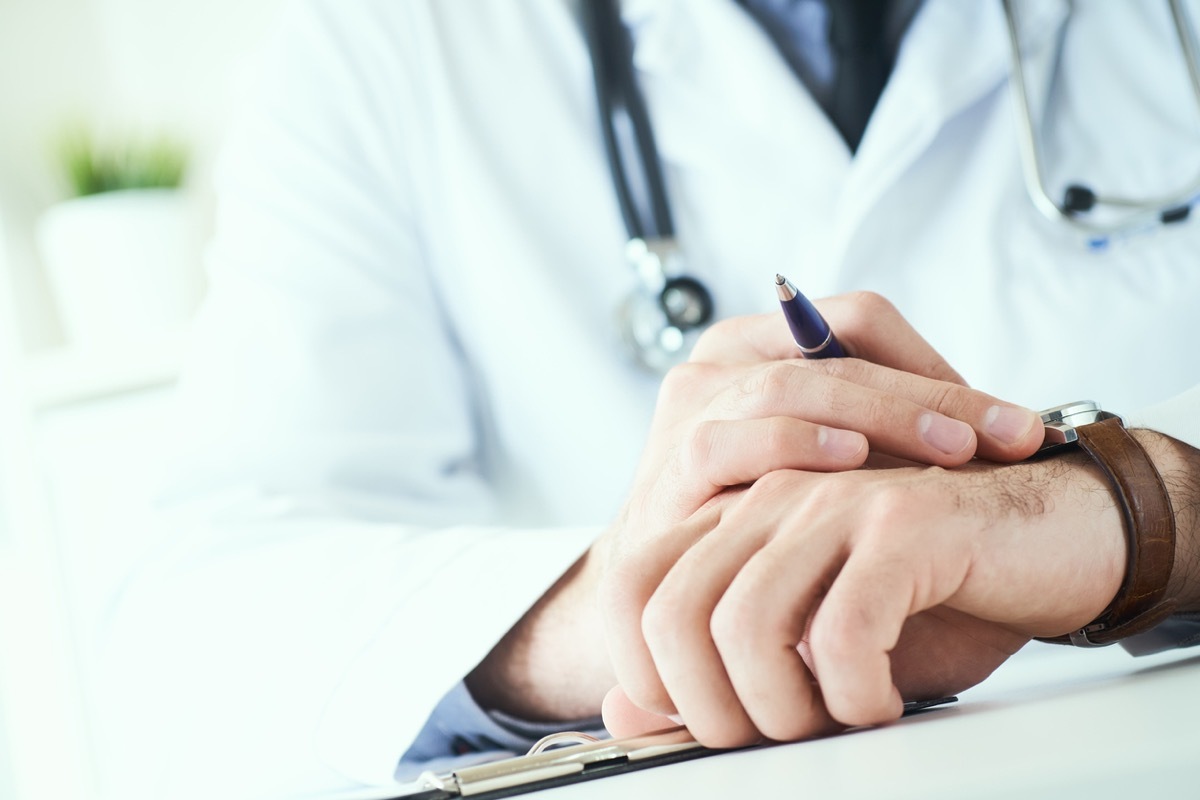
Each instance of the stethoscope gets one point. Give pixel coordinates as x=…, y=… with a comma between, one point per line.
x=665, y=313
x=667, y=310
x=1134, y=216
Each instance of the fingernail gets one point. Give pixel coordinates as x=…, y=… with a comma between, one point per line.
x=1008, y=423
x=840, y=444
x=678, y=720
x=946, y=434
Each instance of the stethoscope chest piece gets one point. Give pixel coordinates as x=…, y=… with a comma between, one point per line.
x=663, y=316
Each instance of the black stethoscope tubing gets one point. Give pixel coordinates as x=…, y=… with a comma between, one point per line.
x=662, y=316
x=619, y=97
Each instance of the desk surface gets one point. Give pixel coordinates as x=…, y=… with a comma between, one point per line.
x=1053, y=722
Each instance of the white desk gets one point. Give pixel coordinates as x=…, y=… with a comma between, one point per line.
x=1055, y=722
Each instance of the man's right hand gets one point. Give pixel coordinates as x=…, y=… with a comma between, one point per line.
x=746, y=405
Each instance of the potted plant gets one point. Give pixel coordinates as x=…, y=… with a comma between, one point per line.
x=120, y=251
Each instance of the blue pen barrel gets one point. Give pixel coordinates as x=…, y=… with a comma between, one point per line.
x=812, y=333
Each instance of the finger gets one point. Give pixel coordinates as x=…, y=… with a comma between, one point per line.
x=623, y=718
x=626, y=588
x=891, y=423
x=877, y=335
x=1004, y=432
x=722, y=453
x=867, y=325
x=677, y=629
x=758, y=624
x=859, y=622
x=904, y=415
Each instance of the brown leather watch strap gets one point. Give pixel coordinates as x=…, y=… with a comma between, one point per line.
x=1141, y=602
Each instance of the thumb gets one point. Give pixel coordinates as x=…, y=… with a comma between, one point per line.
x=623, y=718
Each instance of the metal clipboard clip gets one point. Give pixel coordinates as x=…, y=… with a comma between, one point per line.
x=583, y=758
x=542, y=765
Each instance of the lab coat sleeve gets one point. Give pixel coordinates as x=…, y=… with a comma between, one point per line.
x=460, y=727
x=1177, y=417
x=339, y=567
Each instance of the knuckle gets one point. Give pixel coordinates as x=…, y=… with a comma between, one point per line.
x=776, y=379
x=657, y=625
x=682, y=381
x=891, y=506
x=830, y=492
x=767, y=488
x=850, y=369
x=871, y=305
x=713, y=335
x=726, y=625
x=700, y=449
x=777, y=439
x=878, y=410
x=736, y=620
x=882, y=521
x=669, y=619
x=756, y=392
x=832, y=395
x=846, y=369
x=944, y=398
x=831, y=635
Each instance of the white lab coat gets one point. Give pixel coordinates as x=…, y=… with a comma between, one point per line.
x=409, y=407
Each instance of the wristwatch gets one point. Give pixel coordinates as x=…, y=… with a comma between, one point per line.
x=1142, y=602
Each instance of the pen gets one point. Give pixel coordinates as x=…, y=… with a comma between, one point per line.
x=812, y=333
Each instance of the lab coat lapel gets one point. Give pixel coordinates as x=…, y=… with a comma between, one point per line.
x=955, y=54
x=718, y=58
x=741, y=135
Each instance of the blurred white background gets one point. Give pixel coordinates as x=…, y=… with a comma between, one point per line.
x=84, y=418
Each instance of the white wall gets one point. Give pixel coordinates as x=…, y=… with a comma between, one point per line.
x=142, y=66
x=137, y=66
x=43, y=745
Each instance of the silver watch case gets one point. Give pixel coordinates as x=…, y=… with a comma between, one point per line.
x=1061, y=422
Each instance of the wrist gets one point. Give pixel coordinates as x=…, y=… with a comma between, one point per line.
x=1086, y=509
x=552, y=665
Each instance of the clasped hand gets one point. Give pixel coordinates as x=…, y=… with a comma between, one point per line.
x=751, y=596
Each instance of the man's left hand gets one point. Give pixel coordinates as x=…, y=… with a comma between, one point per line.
x=808, y=602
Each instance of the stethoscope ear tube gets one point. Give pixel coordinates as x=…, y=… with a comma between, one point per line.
x=1139, y=215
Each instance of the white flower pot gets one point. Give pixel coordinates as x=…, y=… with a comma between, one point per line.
x=122, y=265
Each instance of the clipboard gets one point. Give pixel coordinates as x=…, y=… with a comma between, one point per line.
x=582, y=759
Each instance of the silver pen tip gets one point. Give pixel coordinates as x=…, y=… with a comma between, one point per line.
x=779, y=279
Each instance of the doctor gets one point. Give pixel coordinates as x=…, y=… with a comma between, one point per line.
x=411, y=412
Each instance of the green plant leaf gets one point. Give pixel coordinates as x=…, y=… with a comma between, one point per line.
x=93, y=168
